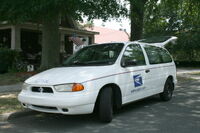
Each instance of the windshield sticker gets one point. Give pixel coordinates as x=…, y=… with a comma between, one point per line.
x=137, y=80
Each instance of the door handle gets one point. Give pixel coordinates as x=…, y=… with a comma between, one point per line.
x=147, y=71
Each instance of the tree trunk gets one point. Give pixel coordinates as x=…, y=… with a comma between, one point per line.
x=137, y=18
x=50, y=43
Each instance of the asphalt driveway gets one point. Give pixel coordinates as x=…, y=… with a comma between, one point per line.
x=180, y=115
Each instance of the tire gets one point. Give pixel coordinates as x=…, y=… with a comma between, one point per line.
x=167, y=93
x=105, y=106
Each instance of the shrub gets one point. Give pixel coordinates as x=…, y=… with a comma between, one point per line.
x=187, y=50
x=187, y=63
x=7, y=59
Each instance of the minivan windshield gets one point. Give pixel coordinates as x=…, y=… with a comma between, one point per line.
x=101, y=54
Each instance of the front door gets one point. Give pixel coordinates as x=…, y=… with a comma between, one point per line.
x=134, y=67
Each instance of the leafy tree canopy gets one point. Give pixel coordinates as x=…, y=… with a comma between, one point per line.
x=170, y=16
x=25, y=10
x=49, y=12
x=176, y=17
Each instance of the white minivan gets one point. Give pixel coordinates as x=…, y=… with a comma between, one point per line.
x=102, y=77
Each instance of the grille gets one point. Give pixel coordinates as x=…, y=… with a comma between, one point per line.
x=45, y=107
x=42, y=89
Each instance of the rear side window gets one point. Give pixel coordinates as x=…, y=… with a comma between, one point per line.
x=134, y=55
x=153, y=54
x=166, y=58
x=157, y=55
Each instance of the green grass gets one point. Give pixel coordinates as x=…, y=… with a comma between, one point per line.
x=184, y=79
x=197, y=73
x=13, y=78
x=9, y=103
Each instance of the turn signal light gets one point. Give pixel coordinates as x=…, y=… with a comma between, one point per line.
x=77, y=87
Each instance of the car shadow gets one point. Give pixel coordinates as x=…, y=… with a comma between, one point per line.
x=42, y=122
x=147, y=115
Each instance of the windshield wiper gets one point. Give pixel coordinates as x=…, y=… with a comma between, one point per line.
x=77, y=63
x=98, y=63
x=89, y=63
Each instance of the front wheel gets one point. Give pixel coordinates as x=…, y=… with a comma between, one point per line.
x=166, y=95
x=106, y=105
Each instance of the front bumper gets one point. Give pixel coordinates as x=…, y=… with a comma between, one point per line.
x=64, y=103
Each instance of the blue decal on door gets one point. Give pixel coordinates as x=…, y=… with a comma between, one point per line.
x=137, y=80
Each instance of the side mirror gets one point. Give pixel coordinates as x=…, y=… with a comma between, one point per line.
x=123, y=64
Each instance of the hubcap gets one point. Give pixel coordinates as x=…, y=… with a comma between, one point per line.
x=169, y=90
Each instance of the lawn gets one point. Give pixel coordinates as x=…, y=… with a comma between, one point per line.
x=197, y=73
x=184, y=79
x=14, y=78
x=9, y=103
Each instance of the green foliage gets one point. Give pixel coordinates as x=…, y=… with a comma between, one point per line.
x=25, y=10
x=172, y=16
x=187, y=47
x=176, y=17
x=49, y=12
x=11, y=61
x=7, y=59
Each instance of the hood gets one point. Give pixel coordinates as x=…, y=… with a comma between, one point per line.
x=64, y=75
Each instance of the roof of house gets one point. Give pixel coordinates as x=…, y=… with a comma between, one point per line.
x=34, y=26
x=109, y=35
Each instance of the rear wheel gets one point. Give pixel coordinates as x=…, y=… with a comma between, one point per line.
x=167, y=93
x=105, y=108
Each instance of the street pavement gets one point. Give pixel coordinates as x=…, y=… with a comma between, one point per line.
x=180, y=115
x=10, y=88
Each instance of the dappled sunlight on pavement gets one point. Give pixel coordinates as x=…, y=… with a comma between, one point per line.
x=180, y=115
x=8, y=96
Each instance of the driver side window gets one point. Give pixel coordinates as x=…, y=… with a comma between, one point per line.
x=133, y=56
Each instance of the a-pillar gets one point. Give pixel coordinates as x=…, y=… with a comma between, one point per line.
x=15, y=38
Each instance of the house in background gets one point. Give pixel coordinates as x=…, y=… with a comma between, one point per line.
x=27, y=37
x=109, y=35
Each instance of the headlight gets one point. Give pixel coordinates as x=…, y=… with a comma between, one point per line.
x=25, y=86
x=69, y=87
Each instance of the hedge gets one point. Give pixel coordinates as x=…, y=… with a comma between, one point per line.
x=187, y=63
x=7, y=59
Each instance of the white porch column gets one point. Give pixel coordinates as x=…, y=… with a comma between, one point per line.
x=62, y=42
x=15, y=38
x=92, y=41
